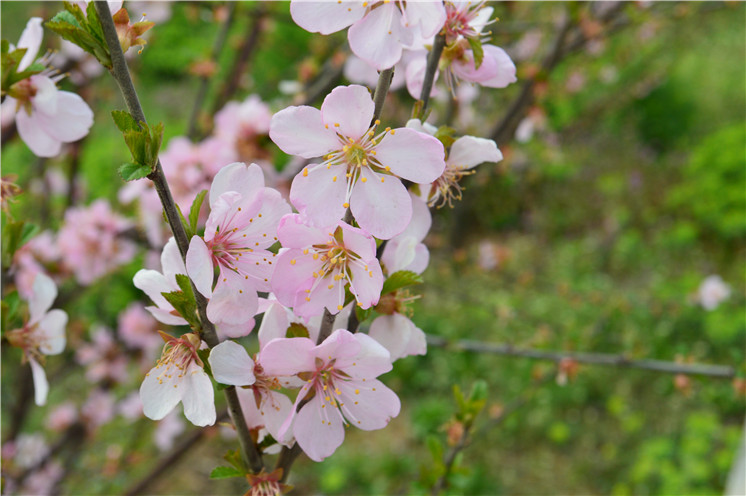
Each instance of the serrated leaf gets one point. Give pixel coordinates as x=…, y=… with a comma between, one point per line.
x=185, y=305
x=137, y=144
x=65, y=17
x=184, y=223
x=156, y=138
x=124, y=121
x=234, y=458
x=185, y=284
x=400, y=279
x=194, y=210
x=132, y=172
x=477, y=50
x=94, y=23
x=225, y=473
x=75, y=10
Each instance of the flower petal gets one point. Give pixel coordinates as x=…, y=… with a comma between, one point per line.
x=378, y=37
x=231, y=364
x=287, y=356
x=371, y=359
x=43, y=294
x=412, y=155
x=41, y=385
x=34, y=136
x=51, y=332
x=300, y=131
x=199, y=397
x=161, y=391
x=239, y=177
x=199, y=266
x=348, y=110
x=72, y=120
x=31, y=40
x=325, y=17
x=319, y=432
x=381, y=204
x=469, y=151
x=393, y=332
x=294, y=231
x=370, y=409
x=366, y=283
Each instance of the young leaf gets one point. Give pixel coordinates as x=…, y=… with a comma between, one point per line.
x=194, y=211
x=225, y=473
x=131, y=172
x=477, y=50
x=399, y=280
x=124, y=121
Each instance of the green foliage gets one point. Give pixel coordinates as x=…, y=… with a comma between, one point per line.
x=143, y=142
x=9, y=67
x=707, y=192
x=400, y=279
x=194, y=212
x=225, y=473
x=16, y=233
x=82, y=29
x=477, y=50
x=183, y=301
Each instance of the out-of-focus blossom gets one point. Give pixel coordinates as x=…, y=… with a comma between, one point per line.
x=30, y=260
x=137, y=329
x=98, y=409
x=30, y=449
x=361, y=170
x=131, y=406
x=102, y=357
x=341, y=375
x=62, y=417
x=43, y=481
x=179, y=377
x=44, y=333
x=240, y=123
x=712, y=292
x=167, y=430
x=91, y=241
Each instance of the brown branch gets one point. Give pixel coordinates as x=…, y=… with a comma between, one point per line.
x=120, y=72
x=205, y=80
x=241, y=61
x=606, y=359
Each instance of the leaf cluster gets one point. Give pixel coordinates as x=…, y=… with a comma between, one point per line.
x=184, y=301
x=83, y=29
x=9, y=67
x=143, y=142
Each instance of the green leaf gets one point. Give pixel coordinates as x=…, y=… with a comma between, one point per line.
x=400, y=279
x=124, y=121
x=476, y=48
x=225, y=473
x=184, y=222
x=478, y=391
x=137, y=143
x=185, y=284
x=132, y=172
x=94, y=23
x=234, y=458
x=155, y=143
x=445, y=135
x=185, y=305
x=75, y=10
x=435, y=447
x=65, y=17
x=363, y=314
x=194, y=211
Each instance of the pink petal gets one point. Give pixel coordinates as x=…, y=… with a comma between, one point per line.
x=234, y=301
x=417, y=344
x=429, y=15
x=348, y=110
x=161, y=391
x=468, y=152
x=366, y=283
x=41, y=385
x=166, y=316
x=320, y=193
x=378, y=37
x=293, y=273
x=371, y=359
x=274, y=325
x=239, y=177
x=393, y=332
x=31, y=40
x=358, y=241
x=341, y=345
x=171, y=261
x=231, y=364
x=300, y=131
x=381, y=204
x=411, y=155
x=319, y=432
x=294, y=231
x=325, y=17
x=287, y=356
x=308, y=305
x=199, y=266
x=505, y=73
x=370, y=409
x=275, y=408
x=199, y=397
x=153, y=283
x=35, y=137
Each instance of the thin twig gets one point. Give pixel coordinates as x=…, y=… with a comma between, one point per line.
x=121, y=74
x=185, y=446
x=205, y=80
x=433, y=59
x=382, y=89
x=720, y=371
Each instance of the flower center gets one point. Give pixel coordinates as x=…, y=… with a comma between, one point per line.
x=446, y=188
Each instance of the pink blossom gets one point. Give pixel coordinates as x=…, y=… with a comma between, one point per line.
x=62, y=417
x=98, y=408
x=167, y=430
x=318, y=264
x=44, y=333
x=43, y=481
x=239, y=121
x=341, y=387
x=137, y=328
x=241, y=226
x=91, y=241
x=361, y=170
x=179, y=377
x=378, y=30
x=153, y=283
x=263, y=407
x=102, y=357
x=32, y=258
x=131, y=406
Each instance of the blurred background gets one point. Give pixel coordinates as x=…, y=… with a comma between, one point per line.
x=622, y=190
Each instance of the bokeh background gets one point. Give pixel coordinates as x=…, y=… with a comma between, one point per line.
x=622, y=189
